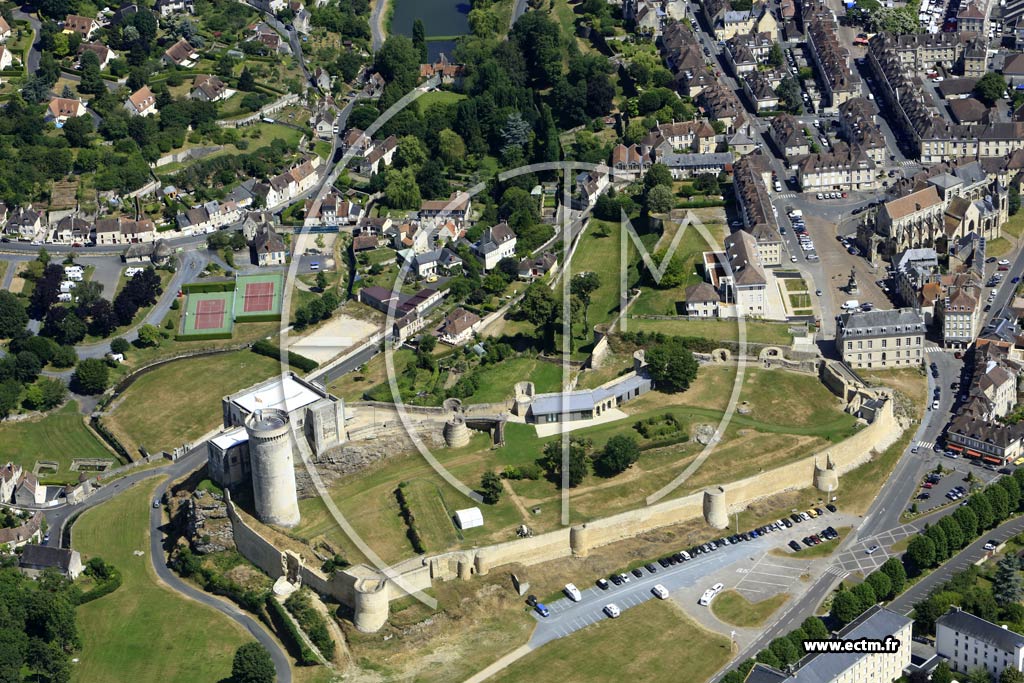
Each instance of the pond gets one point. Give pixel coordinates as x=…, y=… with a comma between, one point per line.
x=442, y=19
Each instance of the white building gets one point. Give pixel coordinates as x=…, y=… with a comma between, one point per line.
x=496, y=243
x=970, y=642
x=881, y=339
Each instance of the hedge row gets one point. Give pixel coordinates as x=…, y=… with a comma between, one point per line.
x=410, y=520
x=257, y=317
x=202, y=336
x=311, y=621
x=105, y=588
x=265, y=348
x=198, y=287
x=289, y=634
x=111, y=440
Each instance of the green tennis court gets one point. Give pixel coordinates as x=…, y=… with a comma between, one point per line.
x=258, y=297
x=208, y=313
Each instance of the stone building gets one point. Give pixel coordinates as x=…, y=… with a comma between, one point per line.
x=881, y=339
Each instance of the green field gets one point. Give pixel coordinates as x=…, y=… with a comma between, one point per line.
x=60, y=436
x=734, y=609
x=180, y=401
x=433, y=516
x=724, y=330
x=642, y=645
x=144, y=631
x=438, y=97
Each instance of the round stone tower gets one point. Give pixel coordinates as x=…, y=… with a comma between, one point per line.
x=579, y=540
x=273, y=472
x=456, y=433
x=371, y=608
x=716, y=512
x=826, y=479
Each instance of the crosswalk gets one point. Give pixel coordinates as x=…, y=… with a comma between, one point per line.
x=907, y=162
x=925, y=444
x=837, y=570
x=786, y=195
x=933, y=349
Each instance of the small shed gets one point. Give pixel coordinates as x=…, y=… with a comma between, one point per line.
x=469, y=518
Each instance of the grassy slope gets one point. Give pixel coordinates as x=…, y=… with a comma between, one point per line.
x=181, y=401
x=144, y=631
x=61, y=437
x=732, y=608
x=640, y=645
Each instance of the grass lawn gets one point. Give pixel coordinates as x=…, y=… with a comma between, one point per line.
x=1015, y=226
x=795, y=285
x=438, y=97
x=655, y=301
x=636, y=646
x=496, y=381
x=732, y=608
x=60, y=436
x=598, y=252
x=433, y=514
x=725, y=330
x=144, y=631
x=998, y=247
x=180, y=401
x=799, y=301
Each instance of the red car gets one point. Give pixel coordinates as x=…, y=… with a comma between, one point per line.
x=927, y=485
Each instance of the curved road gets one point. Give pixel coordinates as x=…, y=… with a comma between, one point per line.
x=57, y=519
x=377, y=23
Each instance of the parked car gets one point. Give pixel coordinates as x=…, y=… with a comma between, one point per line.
x=660, y=592
x=612, y=610
x=602, y=584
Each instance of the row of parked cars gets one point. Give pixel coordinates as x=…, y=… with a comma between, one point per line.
x=826, y=534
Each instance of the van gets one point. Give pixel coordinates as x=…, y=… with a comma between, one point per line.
x=573, y=592
x=314, y=266
x=851, y=305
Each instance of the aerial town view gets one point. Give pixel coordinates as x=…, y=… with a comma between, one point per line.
x=557, y=341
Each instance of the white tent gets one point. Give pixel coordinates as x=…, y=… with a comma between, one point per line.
x=469, y=518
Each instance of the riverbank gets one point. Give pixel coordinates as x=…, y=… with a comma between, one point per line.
x=380, y=21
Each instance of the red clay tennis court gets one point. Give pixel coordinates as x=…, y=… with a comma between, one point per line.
x=209, y=314
x=258, y=297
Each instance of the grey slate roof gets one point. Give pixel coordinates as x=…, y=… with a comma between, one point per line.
x=36, y=556
x=869, y=323
x=976, y=627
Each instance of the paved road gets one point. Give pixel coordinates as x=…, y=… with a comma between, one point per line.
x=966, y=557
x=26, y=13
x=518, y=10
x=377, y=24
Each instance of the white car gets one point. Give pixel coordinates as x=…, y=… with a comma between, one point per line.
x=612, y=610
x=793, y=259
x=1004, y=262
x=660, y=592
x=990, y=546
x=573, y=592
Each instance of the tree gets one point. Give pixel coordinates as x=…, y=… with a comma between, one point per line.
x=921, y=552
x=671, y=366
x=893, y=568
x=10, y=391
x=1007, y=589
x=1011, y=675
x=788, y=93
x=27, y=367
x=978, y=674
x=938, y=537
x=246, y=82
x=401, y=190
x=775, y=56
x=784, y=649
x=46, y=291
x=119, y=345
x=845, y=607
x=1000, y=502
x=419, y=39
x=451, y=147
x=490, y=487
x=660, y=199
x=881, y=584
x=990, y=88
x=618, y=454
x=551, y=462
x=707, y=183
x=865, y=595
x=252, y=664
x=64, y=357
x=78, y=130
x=44, y=394
x=1013, y=200
x=968, y=520
x=149, y=335
x=815, y=628
x=954, y=534
x=410, y=152
x=983, y=510
x=658, y=174
x=91, y=376
x=942, y=673
x=13, y=316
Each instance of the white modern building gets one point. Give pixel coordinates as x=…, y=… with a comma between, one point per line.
x=970, y=642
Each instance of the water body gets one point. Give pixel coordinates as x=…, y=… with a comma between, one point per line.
x=441, y=19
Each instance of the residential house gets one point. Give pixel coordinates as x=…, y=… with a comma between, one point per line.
x=881, y=339
x=446, y=72
x=103, y=53
x=971, y=19
x=719, y=102
x=380, y=155
x=531, y=268
x=181, y=54
x=29, y=491
x=456, y=207
x=61, y=109
x=334, y=211
x=322, y=78
x=590, y=185
x=169, y=8
x=83, y=26
x=355, y=142
x=845, y=168
x=787, y=134
x=5, y=30
x=958, y=313
x=10, y=475
x=374, y=85
x=5, y=58
x=324, y=125
x=751, y=191
x=122, y=230
x=459, y=327
x=267, y=248
x=441, y=261
x=629, y=162
x=832, y=60
x=858, y=127
x=19, y=536
x=408, y=311
x=142, y=102
x=734, y=22
x=208, y=88
x=690, y=165
x=72, y=230
x=759, y=89
x=35, y=559
x=739, y=277
x=25, y=222
x=267, y=36
x=496, y=243
x=702, y=301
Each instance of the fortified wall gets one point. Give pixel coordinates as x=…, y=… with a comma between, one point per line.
x=368, y=591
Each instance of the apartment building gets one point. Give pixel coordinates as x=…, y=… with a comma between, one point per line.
x=831, y=59
x=970, y=642
x=749, y=185
x=788, y=136
x=881, y=339
x=958, y=313
x=845, y=168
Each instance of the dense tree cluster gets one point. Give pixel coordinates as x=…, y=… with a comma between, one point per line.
x=38, y=632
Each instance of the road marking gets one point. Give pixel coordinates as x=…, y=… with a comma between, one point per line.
x=767, y=583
